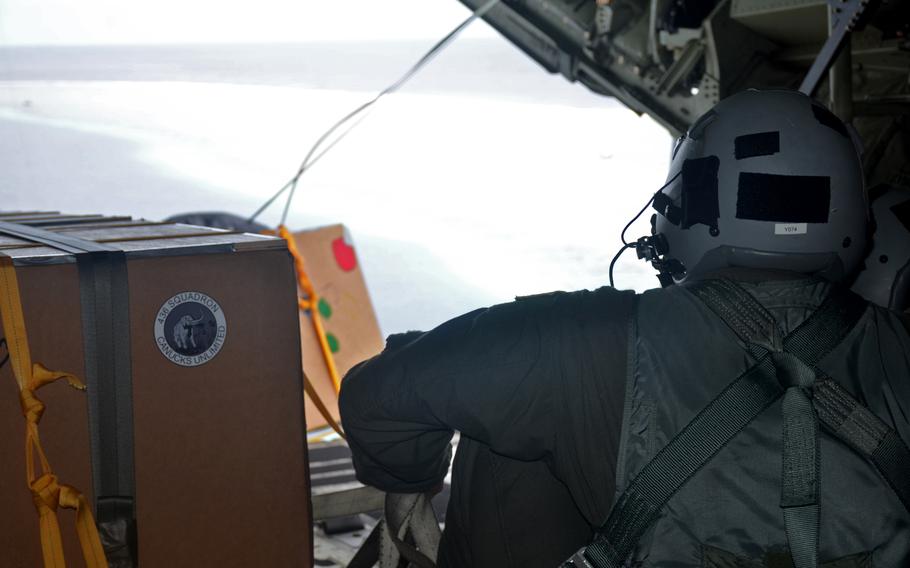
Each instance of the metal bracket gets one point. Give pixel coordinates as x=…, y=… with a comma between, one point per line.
x=845, y=16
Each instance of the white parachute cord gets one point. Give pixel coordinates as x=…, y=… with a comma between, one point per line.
x=309, y=160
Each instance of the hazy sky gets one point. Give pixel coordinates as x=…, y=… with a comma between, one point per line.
x=180, y=21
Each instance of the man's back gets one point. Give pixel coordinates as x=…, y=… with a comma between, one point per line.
x=539, y=392
x=731, y=511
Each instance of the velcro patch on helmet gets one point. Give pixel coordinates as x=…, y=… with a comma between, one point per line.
x=783, y=199
x=699, y=192
x=829, y=119
x=759, y=144
x=902, y=212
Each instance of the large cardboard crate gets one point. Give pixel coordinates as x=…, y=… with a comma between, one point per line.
x=220, y=456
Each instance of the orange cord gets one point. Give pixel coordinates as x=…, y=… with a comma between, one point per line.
x=47, y=493
x=309, y=303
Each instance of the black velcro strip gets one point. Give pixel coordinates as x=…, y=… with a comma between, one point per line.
x=760, y=144
x=699, y=192
x=783, y=199
x=902, y=212
x=664, y=206
x=827, y=118
x=697, y=129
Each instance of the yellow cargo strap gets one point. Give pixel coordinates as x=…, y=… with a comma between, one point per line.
x=308, y=304
x=47, y=493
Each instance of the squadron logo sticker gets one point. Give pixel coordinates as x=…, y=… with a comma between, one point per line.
x=190, y=328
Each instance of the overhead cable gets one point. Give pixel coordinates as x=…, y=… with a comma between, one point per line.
x=312, y=157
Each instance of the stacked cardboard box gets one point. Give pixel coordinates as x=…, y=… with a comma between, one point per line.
x=217, y=449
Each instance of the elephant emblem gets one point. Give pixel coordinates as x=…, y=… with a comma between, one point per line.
x=185, y=331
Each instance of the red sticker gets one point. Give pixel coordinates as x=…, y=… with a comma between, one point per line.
x=344, y=255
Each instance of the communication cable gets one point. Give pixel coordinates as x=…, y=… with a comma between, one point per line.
x=622, y=235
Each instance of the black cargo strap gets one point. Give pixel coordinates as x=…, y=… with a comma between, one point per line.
x=104, y=294
x=106, y=339
x=784, y=367
x=61, y=241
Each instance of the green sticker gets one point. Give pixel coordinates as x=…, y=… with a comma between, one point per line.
x=325, y=310
x=333, y=342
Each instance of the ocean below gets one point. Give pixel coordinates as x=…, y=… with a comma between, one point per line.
x=483, y=179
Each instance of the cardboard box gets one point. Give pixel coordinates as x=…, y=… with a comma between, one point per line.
x=345, y=308
x=220, y=455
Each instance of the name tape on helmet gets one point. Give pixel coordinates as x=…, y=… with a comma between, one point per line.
x=791, y=228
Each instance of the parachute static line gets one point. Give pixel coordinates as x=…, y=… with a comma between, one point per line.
x=302, y=169
x=308, y=161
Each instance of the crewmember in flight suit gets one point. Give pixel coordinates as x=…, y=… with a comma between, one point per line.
x=751, y=413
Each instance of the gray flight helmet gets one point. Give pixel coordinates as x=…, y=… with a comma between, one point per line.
x=885, y=277
x=766, y=179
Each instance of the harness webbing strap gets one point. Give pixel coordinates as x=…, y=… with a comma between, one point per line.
x=794, y=358
x=47, y=492
x=812, y=340
x=892, y=459
x=800, y=486
x=866, y=433
x=799, y=498
x=748, y=319
x=638, y=507
x=785, y=366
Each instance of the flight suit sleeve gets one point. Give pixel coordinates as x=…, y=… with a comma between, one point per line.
x=502, y=375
